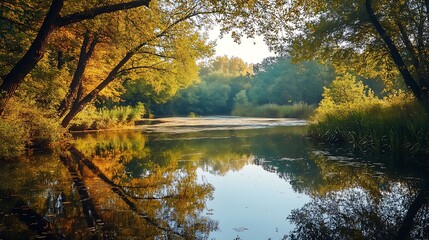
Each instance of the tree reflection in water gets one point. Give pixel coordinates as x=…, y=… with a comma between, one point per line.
x=125, y=185
x=358, y=200
x=132, y=189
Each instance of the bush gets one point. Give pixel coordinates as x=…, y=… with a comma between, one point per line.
x=393, y=124
x=95, y=119
x=192, y=115
x=13, y=139
x=25, y=126
x=300, y=110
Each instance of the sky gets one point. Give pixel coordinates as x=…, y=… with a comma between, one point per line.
x=252, y=50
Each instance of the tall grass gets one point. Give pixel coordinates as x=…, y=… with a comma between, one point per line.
x=384, y=127
x=299, y=110
x=95, y=119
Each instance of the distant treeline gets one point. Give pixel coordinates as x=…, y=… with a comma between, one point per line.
x=228, y=84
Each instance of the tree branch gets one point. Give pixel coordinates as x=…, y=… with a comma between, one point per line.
x=92, y=13
x=79, y=157
x=78, y=106
x=396, y=56
x=86, y=51
x=407, y=42
x=146, y=67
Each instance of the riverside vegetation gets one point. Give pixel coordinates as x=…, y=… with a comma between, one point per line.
x=350, y=114
x=94, y=66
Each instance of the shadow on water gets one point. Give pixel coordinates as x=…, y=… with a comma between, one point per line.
x=132, y=184
x=362, y=198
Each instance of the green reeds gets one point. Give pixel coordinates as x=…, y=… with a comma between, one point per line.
x=299, y=110
x=95, y=119
x=376, y=128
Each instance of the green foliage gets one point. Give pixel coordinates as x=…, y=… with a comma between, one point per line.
x=13, y=139
x=278, y=80
x=192, y=115
x=298, y=110
x=370, y=125
x=95, y=119
x=25, y=126
x=226, y=86
x=221, y=80
x=345, y=94
x=241, y=99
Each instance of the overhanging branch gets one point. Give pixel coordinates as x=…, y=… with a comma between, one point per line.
x=92, y=13
x=396, y=56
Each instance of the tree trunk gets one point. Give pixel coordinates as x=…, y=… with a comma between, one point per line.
x=88, y=207
x=84, y=56
x=80, y=105
x=420, y=93
x=32, y=56
x=420, y=200
x=52, y=21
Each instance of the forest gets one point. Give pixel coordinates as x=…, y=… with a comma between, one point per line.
x=357, y=70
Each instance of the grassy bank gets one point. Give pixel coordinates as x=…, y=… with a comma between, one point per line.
x=95, y=119
x=378, y=127
x=302, y=111
x=26, y=127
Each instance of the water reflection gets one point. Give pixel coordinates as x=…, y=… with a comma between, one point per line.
x=364, y=199
x=244, y=184
x=148, y=182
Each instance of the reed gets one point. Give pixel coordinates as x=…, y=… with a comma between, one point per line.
x=95, y=119
x=299, y=110
x=376, y=128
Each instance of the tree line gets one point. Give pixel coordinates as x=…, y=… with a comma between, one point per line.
x=227, y=83
x=59, y=58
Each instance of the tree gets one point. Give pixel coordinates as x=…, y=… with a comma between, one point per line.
x=346, y=90
x=241, y=99
x=280, y=81
x=52, y=22
x=383, y=38
x=221, y=79
x=164, y=55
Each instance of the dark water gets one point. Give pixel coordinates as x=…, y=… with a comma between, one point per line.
x=257, y=183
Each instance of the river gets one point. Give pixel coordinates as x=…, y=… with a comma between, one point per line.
x=211, y=178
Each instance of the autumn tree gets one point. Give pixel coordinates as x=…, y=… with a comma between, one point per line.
x=161, y=48
x=54, y=19
x=60, y=14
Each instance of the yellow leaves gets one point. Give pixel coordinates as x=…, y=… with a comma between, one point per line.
x=66, y=40
x=345, y=94
x=376, y=65
x=230, y=67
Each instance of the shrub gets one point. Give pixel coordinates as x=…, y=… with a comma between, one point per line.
x=95, y=119
x=13, y=139
x=192, y=115
x=25, y=126
x=299, y=110
x=393, y=124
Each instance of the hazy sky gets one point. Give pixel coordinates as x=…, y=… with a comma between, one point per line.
x=250, y=50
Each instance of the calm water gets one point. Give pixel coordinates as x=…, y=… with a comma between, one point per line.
x=211, y=179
